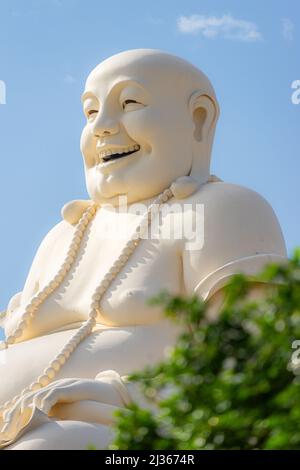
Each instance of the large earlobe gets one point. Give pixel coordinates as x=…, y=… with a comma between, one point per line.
x=204, y=110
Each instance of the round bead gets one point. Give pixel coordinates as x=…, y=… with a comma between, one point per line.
x=61, y=359
x=114, y=270
x=127, y=250
x=30, y=309
x=10, y=339
x=50, y=372
x=80, y=230
x=94, y=305
x=66, y=351
x=93, y=313
x=18, y=332
x=88, y=216
x=96, y=297
x=25, y=318
x=67, y=348
x=77, y=238
x=100, y=290
x=56, y=364
x=105, y=283
x=35, y=302
x=122, y=259
x=72, y=342
x=35, y=386
x=69, y=259
x=91, y=323
x=92, y=210
x=109, y=275
x=43, y=380
x=67, y=264
x=41, y=295
x=131, y=246
x=83, y=224
x=3, y=345
x=59, y=278
x=73, y=250
x=24, y=391
x=76, y=340
x=23, y=324
x=63, y=271
x=75, y=245
x=54, y=284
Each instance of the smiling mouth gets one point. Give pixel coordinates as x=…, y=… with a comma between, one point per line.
x=116, y=154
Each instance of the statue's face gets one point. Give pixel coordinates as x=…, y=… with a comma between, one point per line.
x=137, y=138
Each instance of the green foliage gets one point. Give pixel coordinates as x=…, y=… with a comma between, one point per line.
x=227, y=384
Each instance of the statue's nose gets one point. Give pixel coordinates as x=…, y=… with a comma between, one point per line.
x=105, y=125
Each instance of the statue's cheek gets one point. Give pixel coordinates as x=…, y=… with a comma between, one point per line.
x=87, y=146
x=141, y=124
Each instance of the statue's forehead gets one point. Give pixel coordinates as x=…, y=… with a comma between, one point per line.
x=109, y=74
x=152, y=73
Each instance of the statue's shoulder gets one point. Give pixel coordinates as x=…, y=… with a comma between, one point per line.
x=222, y=197
x=58, y=234
x=239, y=216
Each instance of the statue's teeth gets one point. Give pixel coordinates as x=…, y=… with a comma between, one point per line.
x=107, y=153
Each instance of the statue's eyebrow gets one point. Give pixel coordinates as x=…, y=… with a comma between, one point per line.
x=124, y=83
x=118, y=83
x=87, y=94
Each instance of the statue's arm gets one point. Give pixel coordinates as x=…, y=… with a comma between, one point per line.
x=241, y=234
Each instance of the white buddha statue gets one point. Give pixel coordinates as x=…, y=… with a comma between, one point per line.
x=82, y=322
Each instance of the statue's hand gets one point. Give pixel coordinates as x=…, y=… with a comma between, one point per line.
x=107, y=389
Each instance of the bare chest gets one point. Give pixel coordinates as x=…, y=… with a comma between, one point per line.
x=154, y=266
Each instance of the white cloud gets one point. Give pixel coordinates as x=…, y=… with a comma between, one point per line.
x=288, y=28
x=69, y=79
x=225, y=26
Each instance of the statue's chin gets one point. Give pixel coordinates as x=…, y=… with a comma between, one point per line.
x=116, y=195
x=120, y=199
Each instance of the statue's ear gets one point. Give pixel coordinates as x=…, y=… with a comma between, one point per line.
x=205, y=112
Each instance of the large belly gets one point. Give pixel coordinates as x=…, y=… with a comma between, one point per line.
x=124, y=349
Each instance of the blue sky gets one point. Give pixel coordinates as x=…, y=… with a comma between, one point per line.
x=249, y=49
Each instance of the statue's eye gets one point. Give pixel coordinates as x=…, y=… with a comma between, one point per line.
x=91, y=112
x=131, y=104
